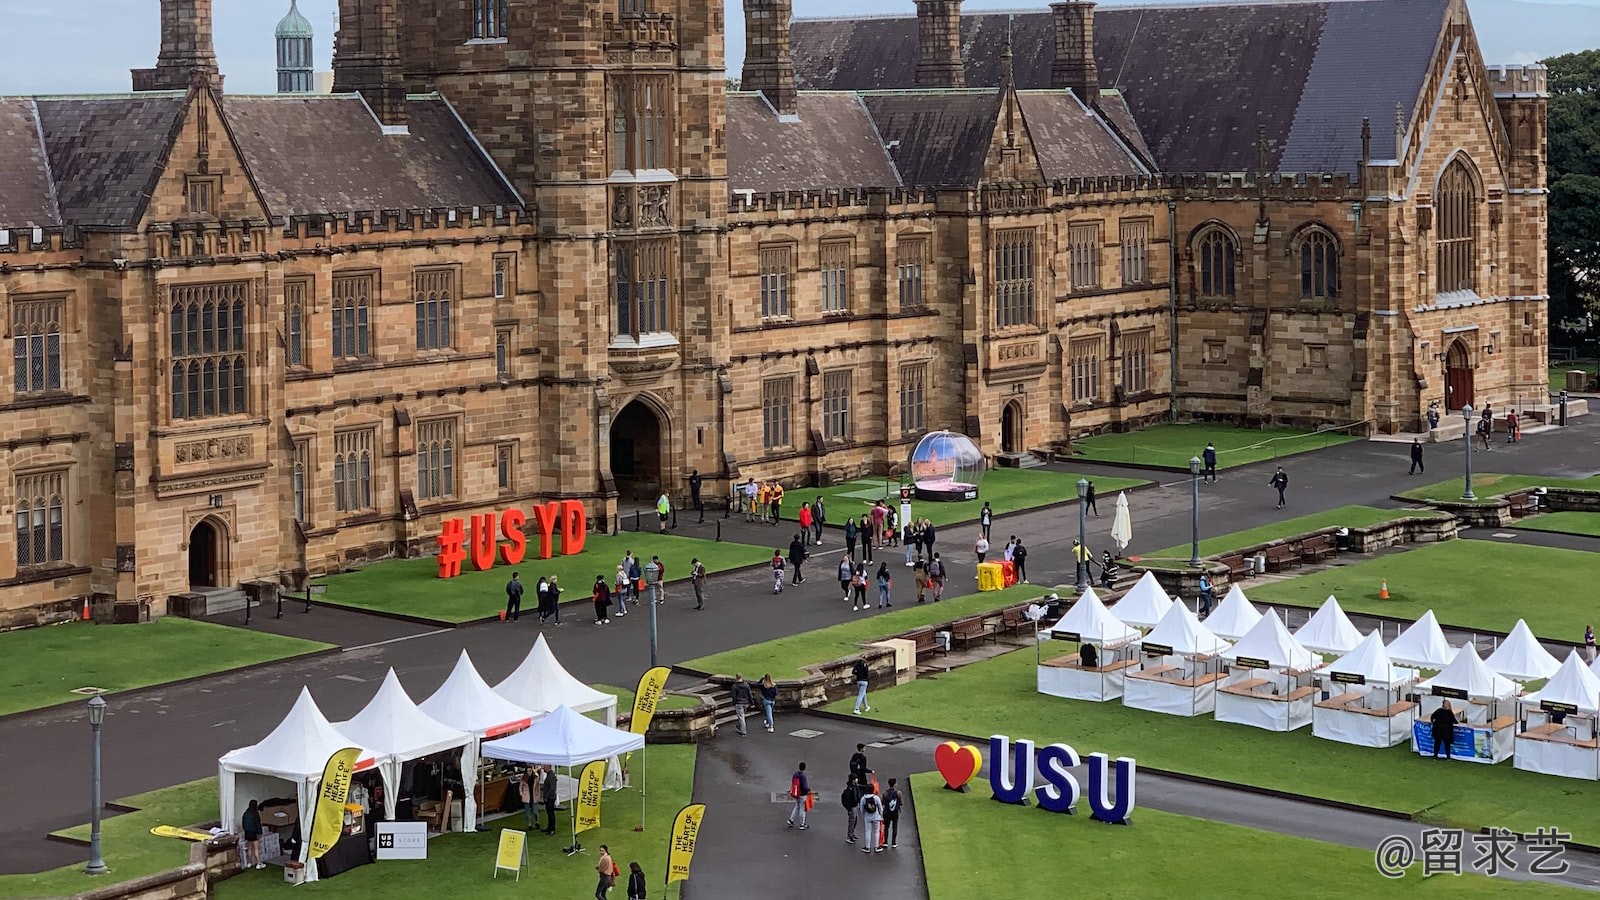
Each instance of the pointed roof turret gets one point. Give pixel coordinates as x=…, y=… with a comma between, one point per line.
x=294, y=25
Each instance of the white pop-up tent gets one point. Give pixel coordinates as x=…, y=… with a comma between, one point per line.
x=1234, y=617
x=1144, y=604
x=542, y=684
x=1183, y=679
x=1520, y=657
x=1265, y=687
x=467, y=703
x=1328, y=630
x=1476, y=694
x=1088, y=622
x=1422, y=644
x=1361, y=698
x=1559, y=735
x=392, y=726
x=292, y=757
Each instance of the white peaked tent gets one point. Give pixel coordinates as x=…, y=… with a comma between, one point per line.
x=1476, y=693
x=1145, y=604
x=1328, y=630
x=1088, y=622
x=1560, y=736
x=542, y=685
x=1520, y=657
x=467, y=703
x=1234, y=617
x=1264, y=687
x=1184, y=680
x=1422, y=644
x=1362, y=702
x=392, y=726
x=295, y=752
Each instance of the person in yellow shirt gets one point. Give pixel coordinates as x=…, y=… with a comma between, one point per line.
x=763, y=499
x=1081, y=556
x=777, y=502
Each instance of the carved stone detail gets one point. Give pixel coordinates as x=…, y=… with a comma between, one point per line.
x=622, y=207
x=228, y=448
x=655, y=206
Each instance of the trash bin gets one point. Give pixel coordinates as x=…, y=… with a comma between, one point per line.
x=942, y=638
x=1261, y=564
x=1341, y=540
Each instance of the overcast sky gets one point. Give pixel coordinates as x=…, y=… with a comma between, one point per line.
x=88, y=46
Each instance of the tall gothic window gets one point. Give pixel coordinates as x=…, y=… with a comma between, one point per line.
x=294, y=322
x=1084, y=354
x=208, y=350
x=1135, y=239
x=777, y=264
x=436, y=459
x=640, y=115
x=1319, y=265
x=298, y=479
x=488, y=19
x=1014, y=277
x=834, y=265
x=1455, y=206
x=913, y=398
x=36, y=345
x=641, y=286
x=352, y=470
x=1215, y=254
x=1083, y=250
x=777, y=395
x=352, y=316
x=41, y=528
x=434, y=290
x=1136, y=361
x=836, y=406
x=909, y=255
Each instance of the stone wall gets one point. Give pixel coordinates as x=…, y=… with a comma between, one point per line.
x=209, y=862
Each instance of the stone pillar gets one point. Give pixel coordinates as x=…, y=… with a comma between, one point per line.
x=187, y=54
x=939, y=44
x=768, y=66
x=366, y=57
x=1074, y=66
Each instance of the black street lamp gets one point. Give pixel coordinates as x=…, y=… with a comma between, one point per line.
x=1466, y=435
x=1083, y=542
x=1194, y=517
x=97, y=715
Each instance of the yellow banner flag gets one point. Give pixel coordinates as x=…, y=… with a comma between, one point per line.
x=685, y=831
x=328, y=822
x=591, y=781
x=651, y=685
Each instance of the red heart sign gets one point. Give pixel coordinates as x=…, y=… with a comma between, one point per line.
x=957, y=763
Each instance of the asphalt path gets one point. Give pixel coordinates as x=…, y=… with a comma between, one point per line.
x=169, y=735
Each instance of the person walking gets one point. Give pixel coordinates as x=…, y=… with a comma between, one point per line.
x=1206, y=595
x=936, y=577
x=798, y=554
x=513, y=599
x=1416, y=456
x=1443, y=724
x=871, y=819
x=777, y=571
x=884, y=584
x=547, y=796
x=919, y=575
x=739, y=695
x=697, y=578
x=1588, y=641
x=846, y=569
x=1108, y=570
x=819, y=518
x=981, y=548
x=861, y=674
x=553, y=591
x=602, y=601
x=864, y=532
x=1513, y=432
x=694, y=495
x=858, y=587
x=806, y=521
x=607, y=868
x=777, y=502
x=1209, y=457
x=800, y=793
x=985, y=519
x=891, y=814
x=1280, y=480
x=769, y=697
x=637, y=889
x=1484, y=427
x=1088, y=500
x=850, y=799
x=250, y=824
x=1019, y=556
x=850, y=532
x=663, y=510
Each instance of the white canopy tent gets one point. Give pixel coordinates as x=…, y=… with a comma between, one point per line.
x=542, y=684
x=467, y=703
x=1520, y=657
x=1184, y=681
x=1477, y=692
x=1361, y=699
x=1328, y=630
x=1144, y=604
x=1234, y=617
x=1088, y=622
x=1422, y=644
x=1551, y=743
x=1264, y=688
x=296, y=753
x=392, y=726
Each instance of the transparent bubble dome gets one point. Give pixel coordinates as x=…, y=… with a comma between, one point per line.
x=947, y=466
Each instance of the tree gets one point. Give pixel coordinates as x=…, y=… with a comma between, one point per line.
x=1574, y=178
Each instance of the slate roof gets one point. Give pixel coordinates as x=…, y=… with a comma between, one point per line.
x=832, y=144
x=1201, y=81
x=27, y=198
x=327, y=154
x=1070, y=141
x=937, y=138
x=1114, y=107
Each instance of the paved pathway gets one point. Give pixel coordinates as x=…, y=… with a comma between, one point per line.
x=167, y=735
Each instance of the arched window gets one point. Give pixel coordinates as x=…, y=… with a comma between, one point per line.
x=1319, y=265
x=1455, y=208
x=1215, y=254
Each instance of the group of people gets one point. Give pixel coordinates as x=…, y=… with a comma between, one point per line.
x=763, y=502
x=547, y=591
x=649, y=581
x=869, y=808
x=743, y=698
x=610, y=872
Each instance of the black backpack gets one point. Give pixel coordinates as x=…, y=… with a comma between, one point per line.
x=870, y=804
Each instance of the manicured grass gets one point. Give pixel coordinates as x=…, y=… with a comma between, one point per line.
x=999, y=696
x=1172, y=446
x=1005, y=490
x=1489, y=486
x=1564, y=522
x=412, y=587
x=1558, y=374
x=130, y=849
x=43, y=665
x=1344, y=516
x=460, y=864
x=1470, y=584
x=971, y=844
x=786, y=656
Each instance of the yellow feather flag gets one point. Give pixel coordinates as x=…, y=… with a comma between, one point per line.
x=651, y=685
x=591, y=782
x=328, y=822
x=685, y=831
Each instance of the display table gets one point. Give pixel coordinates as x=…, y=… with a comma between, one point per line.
x=1489, y=742
x=1067, y=677
x=991, y=576
x=1348, y=719
x=1165, y=689
x=1552, y=749
x=349, y=852
x=1259, y=703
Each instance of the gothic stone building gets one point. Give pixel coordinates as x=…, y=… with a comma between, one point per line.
x=535, y=249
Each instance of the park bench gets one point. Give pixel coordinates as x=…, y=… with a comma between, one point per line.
x=925, y=642
x=1013, y=620
x=1238, y=567
x=971, y=629
x=1319, y=547
x=1522, y=503
x=1280, y=556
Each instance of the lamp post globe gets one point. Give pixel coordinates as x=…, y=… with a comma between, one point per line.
x=1466, y=436
x=1079, y=562
x=1194, y=513
x=97, y=715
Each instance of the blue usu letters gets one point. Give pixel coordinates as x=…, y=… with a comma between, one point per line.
x=1013, y=767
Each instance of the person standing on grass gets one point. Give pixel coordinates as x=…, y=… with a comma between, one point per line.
x=697, y=577
x=547, y=796
x=799, y=792
x=846, y=569
x=608, y=873
x=891, y=814
x=1280, y=480
x=850, y=799
x=936, y=577
x=1019, y=556
x=871, y=819
x=985, y=519
x=250, y=850
x=739, y=695
x=1443, y=724
x=982, y=547
x=1209, y=457
x=1416, y=457
x=884, y=584
x=769, y=697
x=1088, y=500
x=602, y=601
x=1588, y=641
x=798, y=554
x=850, y=532
x=777, y=571
x=637, y=889
x=862, y=675
x=527, y=786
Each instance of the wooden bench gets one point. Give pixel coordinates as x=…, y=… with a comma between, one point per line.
x=971, y=629
x=925, y=642
x=1013, y=620
x=1280, y=556
x=1238, y=567
x=1319, y=547
x=1521, y=503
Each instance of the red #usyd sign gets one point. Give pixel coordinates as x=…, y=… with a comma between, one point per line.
x=481, y=538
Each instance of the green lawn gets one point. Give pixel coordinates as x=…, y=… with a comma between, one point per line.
x=1005, y=490
x=1488, y=486
x=1563, y=522
x=43, y=665
x=1470, y=584
x=1172, y=446
x=786, y=657
x=412, y=587
x=1458, y=794
x=1558, y=374
x=460, y=864
x=971, y=844
x=1344, y=516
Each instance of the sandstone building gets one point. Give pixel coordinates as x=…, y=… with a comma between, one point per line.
x=535, y=248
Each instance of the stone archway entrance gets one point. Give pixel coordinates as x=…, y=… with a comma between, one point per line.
x=637, y=451
x=1458, y=375
x=205, y=555
x=1011, y=428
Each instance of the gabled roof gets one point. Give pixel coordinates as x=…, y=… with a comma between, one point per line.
x=1269, y=641
x=1071, y=141
x=832, y=143
x=1371, y=661
x=1467, y=672
x=27, y=196
x=1180, y=630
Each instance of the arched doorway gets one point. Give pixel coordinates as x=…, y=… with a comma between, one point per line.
x=1011, y=428
x=1458, y=375
x=636, y=452
x=205, y=555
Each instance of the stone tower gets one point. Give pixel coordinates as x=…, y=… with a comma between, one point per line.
x=366, y=57
x=293, y=39
x=939, y=44
x=768, y=64
x=187, y=55
x=1074, y=66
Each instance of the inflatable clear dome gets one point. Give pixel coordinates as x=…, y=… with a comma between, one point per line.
x=946, y=466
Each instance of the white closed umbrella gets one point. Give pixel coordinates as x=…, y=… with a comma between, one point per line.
x=1122, y=524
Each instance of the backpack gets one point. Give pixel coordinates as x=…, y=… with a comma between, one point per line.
x=794, y=786
x=894, y=802
x=870, y=805
x=936, y=569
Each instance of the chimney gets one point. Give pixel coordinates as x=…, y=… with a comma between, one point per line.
x=1074, y=66
x=939, y=44
x=768, y=67
x=366, y=59
x=187, y=55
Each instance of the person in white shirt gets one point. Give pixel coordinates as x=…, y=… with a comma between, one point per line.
x=1011, y=548
x=982, y=547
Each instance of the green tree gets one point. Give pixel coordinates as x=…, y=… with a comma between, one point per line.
x=1574, y=137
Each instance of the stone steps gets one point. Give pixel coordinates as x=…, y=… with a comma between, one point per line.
x=220, y=601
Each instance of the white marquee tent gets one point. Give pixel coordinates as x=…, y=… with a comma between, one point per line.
x=392, y=726
x=542, y=685
x=294, y=754
x=1520, y=657
x=1328, y=630
x=1184, y=680
x=1264, y=688
x=1362, y=703
x=1422, y=644
x=1144, y=604
x=1477, y=693
x=1553, y=743
x=467, y=703
x=1234, y=617
x=1088, y=622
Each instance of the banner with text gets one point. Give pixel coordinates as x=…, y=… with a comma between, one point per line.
x=685, y=831
x=328, y=821
x=651, y=684
x=590, y=784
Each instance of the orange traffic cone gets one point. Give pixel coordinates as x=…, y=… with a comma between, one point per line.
x=1384, y=593
x=85, y=609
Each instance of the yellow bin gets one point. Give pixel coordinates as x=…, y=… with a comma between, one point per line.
x=991, y=577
